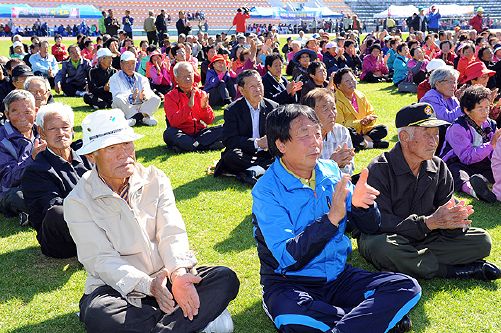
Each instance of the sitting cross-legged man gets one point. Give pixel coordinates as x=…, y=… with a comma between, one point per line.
x=188, y=113
x=50, y=178
x=425, y=232
x=301, y=208
x=132, y=241
x=132, y=93
x=20, y=143
x=246, y=154
x=99, y=95
x=72, y=78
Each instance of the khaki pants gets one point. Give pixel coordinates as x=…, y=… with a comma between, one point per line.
x=427, y=258
x=148, y=107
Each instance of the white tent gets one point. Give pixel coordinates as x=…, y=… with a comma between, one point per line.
x=445, y=11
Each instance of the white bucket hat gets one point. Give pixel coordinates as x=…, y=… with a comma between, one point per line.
x=104, y=128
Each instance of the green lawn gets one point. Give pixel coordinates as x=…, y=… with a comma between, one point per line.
x=39, y=294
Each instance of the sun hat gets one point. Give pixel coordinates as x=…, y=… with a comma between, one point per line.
x=104, y=128
x=104, y=52
x=218, y=57
x=154, y=53
x=17, y=44
x=311, y=53
x=476, y=70
x=418, y=114
x=435, y=64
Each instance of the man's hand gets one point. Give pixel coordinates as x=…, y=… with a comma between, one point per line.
x=141, y=95
x=162, y=295
x=107, y=86
x=185, y=293
x=204, y=103
x=57, y=88
x=451, y=215
x=191, y=102
x=343, y=155
x=364, y=195
x=262, y=143
x=38, y=146
x=337, y=210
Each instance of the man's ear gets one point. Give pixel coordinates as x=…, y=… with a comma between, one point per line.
x=91, y=158
x=403, y=136
x=240, y=90
x=41, y=132
x=280, y=146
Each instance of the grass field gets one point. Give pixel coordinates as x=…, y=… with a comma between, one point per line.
x=39, y=294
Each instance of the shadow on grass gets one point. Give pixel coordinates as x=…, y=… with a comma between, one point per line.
x=152, y=153
x=27, y=273
x=83, y=108
x=207, y=183
x=61, y=324
x=10, y=226
x=253, y=320
x=239, y=239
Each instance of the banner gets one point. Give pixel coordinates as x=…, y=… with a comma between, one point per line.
x=39, y=12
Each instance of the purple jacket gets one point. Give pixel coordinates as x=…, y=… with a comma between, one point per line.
x=371, y=65
x=445, y=109
x=467, y=145
x=15, y=155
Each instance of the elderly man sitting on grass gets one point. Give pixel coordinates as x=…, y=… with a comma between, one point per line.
x=132, y=241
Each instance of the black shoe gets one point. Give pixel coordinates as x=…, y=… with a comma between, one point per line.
x=479, y=270
x=218, y=145
x=404, y=325
x=479, y=185
x=247, y=177
x=381, y=144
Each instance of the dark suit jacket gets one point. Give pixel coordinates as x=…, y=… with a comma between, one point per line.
x=237, y=128
x=276, y=91
x=48, y=180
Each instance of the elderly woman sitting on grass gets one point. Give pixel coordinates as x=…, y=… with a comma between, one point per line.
x=470, y=142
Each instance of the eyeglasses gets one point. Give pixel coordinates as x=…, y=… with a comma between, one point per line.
x=38, y=92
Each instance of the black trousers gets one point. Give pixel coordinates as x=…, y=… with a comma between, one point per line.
x=102, y=101
x=12, y=202
x=152, y=37
x=222, y=93
x=461, y=173
x=235, y=161
x=377, y=133
x=204, y=140
x=70, y=89
x=54, y=236
x=105, y=310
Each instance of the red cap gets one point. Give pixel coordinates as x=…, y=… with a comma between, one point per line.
x=218, y=57
x=476, y=70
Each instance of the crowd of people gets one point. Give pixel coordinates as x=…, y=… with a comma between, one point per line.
x=292, y=137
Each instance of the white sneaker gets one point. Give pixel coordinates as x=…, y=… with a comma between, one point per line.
x=222, y=324
x=131, y=122
x=149, y=121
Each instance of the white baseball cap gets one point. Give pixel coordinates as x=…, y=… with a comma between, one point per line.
x=104, y=128
x=104, y=52
x=435, y=64
x=127, y=56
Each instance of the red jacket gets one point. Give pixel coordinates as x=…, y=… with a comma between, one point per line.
x=59, y=52
x=239, y=22
x=181, y=116
x=476, y=23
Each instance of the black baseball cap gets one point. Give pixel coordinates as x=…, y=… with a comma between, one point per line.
x=22, y=70
x=418, y=114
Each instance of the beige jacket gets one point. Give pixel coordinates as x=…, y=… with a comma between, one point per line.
x=125, y=246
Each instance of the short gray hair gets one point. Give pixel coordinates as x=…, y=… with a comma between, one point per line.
x=182, y=64
x=442, y=74
x=409, y=129
x=36, y=78
x=18, y=95
x=61, y=109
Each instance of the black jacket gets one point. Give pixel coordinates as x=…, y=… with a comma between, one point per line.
x=237, y=128
x=98, y=78
x=276, y=91
x=48, y=180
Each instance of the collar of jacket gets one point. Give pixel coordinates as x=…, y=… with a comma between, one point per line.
x=293, y=183
x=400, y=166
x=12, y=132
x=101, y=189
x=341, y=98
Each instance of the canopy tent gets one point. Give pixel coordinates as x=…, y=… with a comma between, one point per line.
x=305, y=13
x=445, y=11
x=62, y=11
